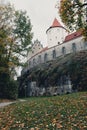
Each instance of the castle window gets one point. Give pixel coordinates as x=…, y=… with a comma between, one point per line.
x=29, y=63
x=34, y=61
x=39, y=58
x=49, y=31
x=45, y=57
x=63, y=50
x=32, y=51
x=85, y=45
x=74, y=47
x=54, y=54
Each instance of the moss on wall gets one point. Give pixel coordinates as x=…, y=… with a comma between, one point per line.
x=49, y=74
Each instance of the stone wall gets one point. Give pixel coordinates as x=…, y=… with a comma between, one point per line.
x=56, y=51
x=62, y=88
x=65, y=74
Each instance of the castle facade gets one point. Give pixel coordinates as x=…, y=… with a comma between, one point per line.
x=59, y=43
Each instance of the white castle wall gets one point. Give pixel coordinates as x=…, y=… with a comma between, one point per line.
x=57, y=46
x=36, y=47
x=58, y=38
x=35, y=60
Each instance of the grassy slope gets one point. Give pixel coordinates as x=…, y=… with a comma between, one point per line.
x=66, y=112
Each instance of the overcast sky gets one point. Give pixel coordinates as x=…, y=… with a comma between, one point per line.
x=41, y=13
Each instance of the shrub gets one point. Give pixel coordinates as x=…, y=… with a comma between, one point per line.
x=12, y=89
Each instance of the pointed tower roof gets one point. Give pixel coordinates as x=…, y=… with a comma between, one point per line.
x=56, y=23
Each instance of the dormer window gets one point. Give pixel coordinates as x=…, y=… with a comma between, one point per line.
x=75, y=35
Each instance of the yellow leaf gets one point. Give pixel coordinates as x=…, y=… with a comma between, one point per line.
x=58, y=125
x=22, y=125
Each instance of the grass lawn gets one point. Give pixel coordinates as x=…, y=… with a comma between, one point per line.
x=65, y=112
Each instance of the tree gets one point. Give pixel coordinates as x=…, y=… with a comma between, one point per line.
x=17, y=27
x=23, y=32
x=74, y=15
x=15, y=38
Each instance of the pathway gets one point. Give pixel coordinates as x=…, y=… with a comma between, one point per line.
x=5, y=104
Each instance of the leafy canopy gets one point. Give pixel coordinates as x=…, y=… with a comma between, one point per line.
x=74, y=15
x=15, y=36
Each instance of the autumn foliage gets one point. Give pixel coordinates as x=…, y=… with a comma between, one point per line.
x=66, y=112
x=73, y=14
x=15, y=37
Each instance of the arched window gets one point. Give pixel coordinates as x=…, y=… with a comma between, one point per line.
x=85, y=45
x=45, y=57
x=29, y=63
x=74, y=47
x=39, y=58
x=34, y=61
x=63, y=50
x=54, y=54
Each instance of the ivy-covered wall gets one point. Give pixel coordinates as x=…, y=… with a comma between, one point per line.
x=52, y=73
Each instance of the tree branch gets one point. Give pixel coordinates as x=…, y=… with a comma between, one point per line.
x=85, y=4
x=80, y=5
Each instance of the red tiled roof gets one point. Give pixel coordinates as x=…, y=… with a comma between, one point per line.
x=56, y=23
x=73, y=36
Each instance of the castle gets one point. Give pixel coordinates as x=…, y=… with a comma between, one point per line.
x=38, y=77
x=60, y=42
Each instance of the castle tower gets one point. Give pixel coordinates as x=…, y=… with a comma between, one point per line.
x=56, y=34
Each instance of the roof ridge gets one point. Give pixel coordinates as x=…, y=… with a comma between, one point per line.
x=73, y=36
